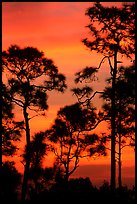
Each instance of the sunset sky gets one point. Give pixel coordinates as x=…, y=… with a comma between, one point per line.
x=57, y=28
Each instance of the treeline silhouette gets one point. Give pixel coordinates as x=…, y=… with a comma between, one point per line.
x=52, y=187
x=31, y=77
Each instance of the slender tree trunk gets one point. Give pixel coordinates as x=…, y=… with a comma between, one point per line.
x=67, y=175
x=27, y=165
x=136, y=166
x=37, y=166
x=119, y=164
x=66, y=179
x=0, y=153
x=119, y=147
x=1, y=164
x=113, y=125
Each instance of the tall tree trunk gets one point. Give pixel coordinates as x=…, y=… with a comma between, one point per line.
x=119, y=164
x=67, y=174
x=119, y=146
x=136, y=166
x=113, y=125
x=0, y=165
x=27, y=165
x=66, y=180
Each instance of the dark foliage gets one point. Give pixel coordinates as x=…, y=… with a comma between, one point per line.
x=11, y=129
x=31, y=75
x=79, y=190
x=71, y=138
x=10, y=180
x=110, y=27
x=112, y=32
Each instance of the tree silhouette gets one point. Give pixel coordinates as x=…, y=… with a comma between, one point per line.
x=113, y=32
x=125, y=110
x=37, y=151
x=72, y=138
x=40, y=179
x=31, y=75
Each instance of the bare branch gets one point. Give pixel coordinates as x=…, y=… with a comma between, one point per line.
x=18, y=102
x=102, y=61
x=33, y=117
x=127, y=145
x=111, y=68
x=89, y=99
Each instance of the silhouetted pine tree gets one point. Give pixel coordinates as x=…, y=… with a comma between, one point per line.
x=113, y=32
x=31, y=76
x=125, y=110
x=72, y=139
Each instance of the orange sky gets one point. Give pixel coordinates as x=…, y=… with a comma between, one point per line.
x=56, y=28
